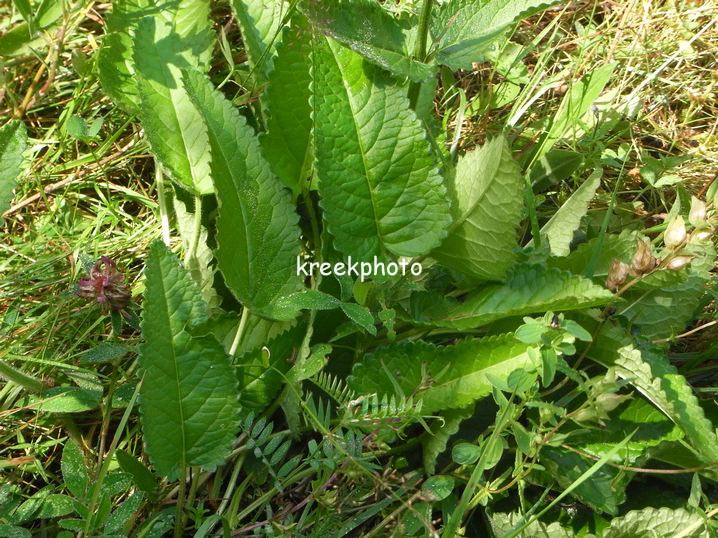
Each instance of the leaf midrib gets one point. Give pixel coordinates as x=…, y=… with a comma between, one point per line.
x=362, y=151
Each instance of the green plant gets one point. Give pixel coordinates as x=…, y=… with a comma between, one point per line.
x=524, y=350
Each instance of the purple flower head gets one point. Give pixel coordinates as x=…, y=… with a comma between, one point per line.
x=106, y=285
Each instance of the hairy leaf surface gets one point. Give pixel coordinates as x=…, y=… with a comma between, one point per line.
x=381, y=190
x=257, y=232
x=529, y=290
x=189, y=393
x=487, y=201
x=447, y=377
x=659, y=382
x=173, y=126
x=13, y=141
x=657, y=522
x=367, y=28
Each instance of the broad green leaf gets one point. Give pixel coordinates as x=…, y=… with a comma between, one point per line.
x=257, y=231
x=187, y=19
x=173, y=126
x=659, y=382
x=380, y=189
x=12, y=531
x=487, y=206
x=188, y=400
x=288, y=307
x=466, y=29
x=529, y=290
x=13, y=141
x=503, y=523
x=438, y=488
x=658, y=523
x=605, y=250
x=262, y=372
x=563, y=224
x=435, y=443
x=141, y=475
x=260, y=24
x=575, y=104
x=368, y=29
x=66, y=400
x=55, y=505
x=74, y=470
x=651, y=427
x=448, y=377
x=288, y=142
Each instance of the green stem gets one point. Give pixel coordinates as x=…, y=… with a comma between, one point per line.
x=422, y=39
x=457, y=516
x=179, y=515
x=240, y=331
x=196, y=231
x=162, y=199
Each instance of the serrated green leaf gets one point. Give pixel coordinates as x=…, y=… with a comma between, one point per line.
x=188, y=20
x=487, y=207
x=74, y=471
x=658, y=523
x=435, y=444
x=172, y=124
x=257, y=231
x=381, y=191
x=664, y=303
x=189, y=395
x=660, y=383
x=467, y=28
x=367, y=28
x=13, y=141
x=288, y=143
x=605, y=250
x=651, y=427
x=528, y=290
x=563, y=224
x=260, y=24
x=456, y=375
